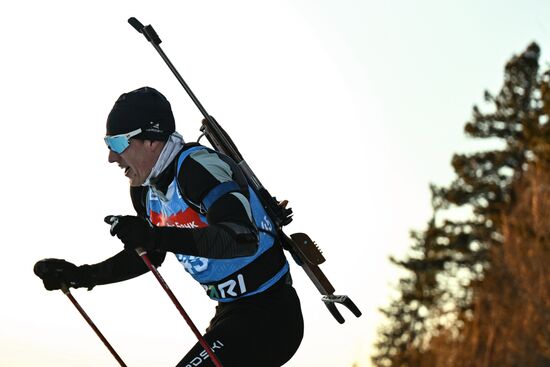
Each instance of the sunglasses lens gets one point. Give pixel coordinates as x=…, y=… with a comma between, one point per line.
x=117, y=143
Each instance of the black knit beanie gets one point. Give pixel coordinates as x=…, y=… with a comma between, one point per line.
x=144, y=108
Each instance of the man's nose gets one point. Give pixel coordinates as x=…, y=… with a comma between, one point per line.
x=113, y=157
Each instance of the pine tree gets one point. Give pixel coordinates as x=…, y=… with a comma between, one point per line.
x=448, y=260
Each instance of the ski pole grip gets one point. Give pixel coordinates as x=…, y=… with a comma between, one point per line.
x=141, y=251
x=65, y=289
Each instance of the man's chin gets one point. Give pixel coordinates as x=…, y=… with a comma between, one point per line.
x=135, y=183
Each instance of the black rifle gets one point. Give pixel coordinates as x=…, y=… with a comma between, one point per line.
x=304, y=251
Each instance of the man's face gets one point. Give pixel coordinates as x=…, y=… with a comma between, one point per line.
x=138, y=159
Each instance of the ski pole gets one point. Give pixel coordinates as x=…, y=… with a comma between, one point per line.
x=143, y=254
x=66, y=291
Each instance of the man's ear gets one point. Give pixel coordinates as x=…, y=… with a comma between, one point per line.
x=154, y=145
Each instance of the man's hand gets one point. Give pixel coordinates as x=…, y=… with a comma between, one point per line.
x=56, y=272
x=133, y=231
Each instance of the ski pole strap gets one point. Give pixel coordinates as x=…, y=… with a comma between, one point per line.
x=331, y=300
x=66, y=291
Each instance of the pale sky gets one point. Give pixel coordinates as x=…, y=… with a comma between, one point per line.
x=348, y=109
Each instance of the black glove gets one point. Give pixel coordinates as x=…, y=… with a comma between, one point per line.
x=55, y=272
x=133, y=231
